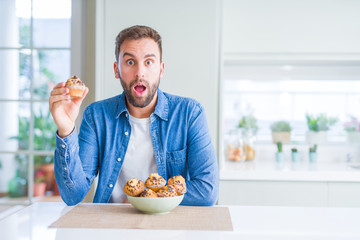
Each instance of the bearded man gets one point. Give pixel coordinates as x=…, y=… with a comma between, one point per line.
x=139, y=132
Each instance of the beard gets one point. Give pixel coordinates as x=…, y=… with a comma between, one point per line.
x=143, y=101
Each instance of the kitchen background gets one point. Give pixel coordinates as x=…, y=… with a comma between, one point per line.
x=251, y=63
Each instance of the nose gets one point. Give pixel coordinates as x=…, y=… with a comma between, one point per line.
x=139, y=72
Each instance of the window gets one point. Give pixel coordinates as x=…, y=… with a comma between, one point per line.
x=35, y=54
x=273, y=92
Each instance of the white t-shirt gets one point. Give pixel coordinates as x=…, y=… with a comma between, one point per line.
x=139, y=159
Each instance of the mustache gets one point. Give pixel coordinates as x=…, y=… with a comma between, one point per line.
x=141, y=80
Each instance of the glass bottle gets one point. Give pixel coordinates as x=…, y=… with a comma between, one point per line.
x=234, y=146
x=17, y=186
x=249, y=139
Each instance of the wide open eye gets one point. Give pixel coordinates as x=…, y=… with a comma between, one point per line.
x=130, y=62
x=148, y=62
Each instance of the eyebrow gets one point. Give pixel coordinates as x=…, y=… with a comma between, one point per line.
x=133, y=56
x=150, y=55
x=128, y=54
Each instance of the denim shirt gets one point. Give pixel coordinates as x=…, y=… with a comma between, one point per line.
x=180, y=139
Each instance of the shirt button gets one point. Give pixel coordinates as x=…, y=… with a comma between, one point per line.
x=63, y=146
x=126, y=133
x=125, y=114
x=119, y=159
x=110, y=185
x=65, y=168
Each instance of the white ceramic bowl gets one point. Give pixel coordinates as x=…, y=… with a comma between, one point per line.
x=158, y=205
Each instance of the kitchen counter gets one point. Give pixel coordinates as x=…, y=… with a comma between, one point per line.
x=271, y=171
x=252, y=222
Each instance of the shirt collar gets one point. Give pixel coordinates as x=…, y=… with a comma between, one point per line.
x=161, y=108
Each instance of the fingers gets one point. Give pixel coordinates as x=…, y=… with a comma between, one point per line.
x=59, y=85
x=59, y=91
x=85, y=93
x=57, y=99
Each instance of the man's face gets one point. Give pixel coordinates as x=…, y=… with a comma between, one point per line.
x=139, y=69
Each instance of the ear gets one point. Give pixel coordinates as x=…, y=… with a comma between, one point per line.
x=162, y=66
x=116, y=70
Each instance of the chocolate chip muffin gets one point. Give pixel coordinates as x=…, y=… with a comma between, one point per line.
x=76, y=87
x=167, y=191
x=134, y=187
x=179, y=183
x=148, y=193
x=155, y=182
x=176, y=180
x=180, y=188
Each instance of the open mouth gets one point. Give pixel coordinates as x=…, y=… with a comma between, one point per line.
x=139, y=89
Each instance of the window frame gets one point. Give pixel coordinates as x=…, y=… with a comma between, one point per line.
x=76, y=49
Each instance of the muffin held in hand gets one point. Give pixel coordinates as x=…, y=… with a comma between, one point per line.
x=134, y=187
x=148, y=193
x=167, y=191
x=155, y=182
x=76, y=87
x=179, y=183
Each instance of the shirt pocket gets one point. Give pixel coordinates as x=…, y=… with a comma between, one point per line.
x=176, y=163
x=176, y=157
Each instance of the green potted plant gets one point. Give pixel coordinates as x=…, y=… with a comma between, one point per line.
x=318, y=127
x=44, y=139
x=248, y=123
x=279, y=153
x=313, y=154
x=281, y=131
x=17, y=186
x=295, y=159
x=352, y=129
x=295, y=155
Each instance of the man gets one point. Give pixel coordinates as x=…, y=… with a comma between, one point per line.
x=141, y=131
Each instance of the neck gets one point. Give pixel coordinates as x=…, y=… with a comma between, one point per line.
x=144, y=112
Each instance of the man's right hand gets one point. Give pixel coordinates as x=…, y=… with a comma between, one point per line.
x=63, y=109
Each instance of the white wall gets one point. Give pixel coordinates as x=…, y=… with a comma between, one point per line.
x=190, y=47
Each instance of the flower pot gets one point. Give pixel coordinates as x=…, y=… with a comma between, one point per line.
x=280, y=160
x=48, y=169
x=353, y=137
x=316, y=137
x=280, y=157
x=17, y=186
x=295, y=160
x=295, y=157
x=56, y=189
x=283, y=137
x=39, y=189
x=312, y=157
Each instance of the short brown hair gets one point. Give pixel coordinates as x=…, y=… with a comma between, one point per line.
x=134, y=33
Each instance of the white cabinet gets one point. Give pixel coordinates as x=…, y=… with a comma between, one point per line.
x=291, y=26
x=344, y=194
x=273, y=193
x=290, y=193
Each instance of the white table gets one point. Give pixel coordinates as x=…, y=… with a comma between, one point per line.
x=249, y=223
